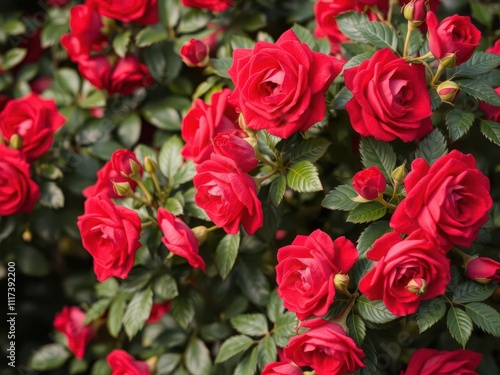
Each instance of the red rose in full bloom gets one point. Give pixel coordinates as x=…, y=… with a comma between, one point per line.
x=111, y=235
x=122, y=363
x=455, y=35
x=144, y=12
x=281, y=87
x=214, y=5
x=203, y=122
x=35, y=120
x=369, y=183
x=195, y=53
x=158, y=310
x=449, y=200
x=326, y=348
x=407, y=272
x=281, y=368
x=18, y=192
x=121, y=161
x=492, y=112
x=179, y=238
x=442, y=362
x=306, y=270
x=70, y=322
x=390, y=98
x=483, y=270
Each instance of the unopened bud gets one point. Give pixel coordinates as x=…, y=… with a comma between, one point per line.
x=150, y=165
x=399, y=174
x=195, y=53
x=416, y=11
x=417, y=286
x=16, y=142
x=341, y=281
x=200, y=233
x=122, y=188
x=449, y=61
x=448, y=91
x=135, y=168
x=27, y=236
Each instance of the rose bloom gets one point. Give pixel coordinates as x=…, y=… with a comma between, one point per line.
x=306, y=270
x=111, y=235
x=233, y=146
x=70, y=322
x=121, y=161
x=35, y=120
x=18, y=192
x=214, y=5
x=144, y=12
x=449, y=200
x=442, y=362
x=281, y=368
x=203, y=122
x=179, y=239
x=369, y=183
x=281, y=87
x=390, y=98
x=454, y=35
x=195, y=53
x=407, y=272
x=228, y=194
x=495, y=48
x=158, y=310
x=483, y=270
x=326, y=348
x=491, y=112
x=122, y=363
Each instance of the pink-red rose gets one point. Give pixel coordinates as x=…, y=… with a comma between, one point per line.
x=158, y=310
x=214, y=5
x=234, y=147
x=390, y=98
x=483, y=270
x=111, y=235
x=369, y=183
x=326, y=348
x=442, y=362
x=455, y=35
x=70, y=322
x=281, y=368
x=407, y=272
x=306, y=270
x=449, y=200
x=495, y=48
x=416, y=10
x=35, y=120
x=179, y=238
x=122, y=363
x=143, y=12
x=203, y=122
x=281, y=87
x=195, y=53
x=18, y=192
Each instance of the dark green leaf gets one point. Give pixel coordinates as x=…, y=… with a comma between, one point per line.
x=121, y=42
x=303, y=177
x=275, y=307
x=480, y=90
x=167, y=363
x=379, y=154
x=115, y=316
x=340, y=198
x=266, y=352
x=479, y=63
x=357, y=329
x=482, y=13
x=355, y=61
x=341, y=99
x=169, y=12
x=416, y=40
x=138, y=312
x=347, y=23
x=221, y=66
x=372, y=232
x=361, y=267
x=432, y=147
x=165, y=287
x=491, y=130
x=183, y=310
x=96, y=310
x=247, y=365
x=233, y=346
x=162, y=61
x=52, y=195
x=129, y=130
x=459, y=123
x=429, y=313
x=305, y=36
x=170, y=158
x=253, y=283
x=366, y=212
x=471, y=291
x=78, y=366
x=374, y=311
x=150, y=35
x=459, y=324
x=379, y=34
x=250, y=324
x=226, y=253
x=197, y=357
x=31, y=261
x=101, y=367
x=277, y=190
x=310, y=150
x=162, y=114
x=485, y=316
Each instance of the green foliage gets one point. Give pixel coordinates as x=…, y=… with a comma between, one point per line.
x=357, y=329
x=233, y=346
x=348, y=22
x=372, y=232
x=459, y=324
x=429, y=313
x=340, y=198
x=491, y=130
x=250, y=324
x=480, y=90
x=303, y=177
x=379, y=154
x=432, y=147
x=471, y=291
x=485, y=317
x=367, y=212
x=379, y=34
x=458, y=122
x=226, y=253
x=373, y=311
x=49, y=357
x=137, y=312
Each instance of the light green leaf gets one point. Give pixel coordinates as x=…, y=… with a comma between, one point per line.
x=341, y=99
x=303, y=177
x=185, y=173
x=167, y=363
x=355, y=61
x=372, y=232
x=357, y=329
x=96, y=310
x=150, y=35
x=121, y=42
x=49, y=357
x=379, y=154
x=197, y=357
x=226, y=254
x=233, y=346
x=432, y=147
x=429, y=313
x=471, y=291
x=107, y=288
x=238, y=41
x=165, y=287
x=52, y=33
x=170, y=158
x=379, y=34
x=366, y=212
x=459, y=324
x=221, y=66
x=162, y=115
x=78, y=366
x=286, y=326
x=347, y=23
x=138, y=312
x=13, y=57
x=374, y=311
x=101, y=367
x=174, y=206
x=275, y=307
x=480, y=90
x=183, y=310
x=305, y=36
x=485, y=316
x=250, y=324
x=340, y=198
x=266, y=352
x=248, y=364
x=169, y=12
x=310, y=149
x=115, y=317
x=459, y=122
x=491, y=130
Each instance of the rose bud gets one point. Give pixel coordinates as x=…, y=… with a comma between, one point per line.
x=448, y=91
x=415, y=11
x=417, y=286
x=369, y=183
x=195, y=53
x=483, y=270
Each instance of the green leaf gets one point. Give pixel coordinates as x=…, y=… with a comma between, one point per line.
x=226, y=254
x=485, y=316
x=285, y=328
x=13, y=27
x=355, y=61
x=482, y=13
x=13, y=57
x=221, y=66
x=163, y=62
x=183, y=310
x=93, y=98
x=459, y=324
x=459, y=123
x=136, y=280
x=169, y=12
x=277, y=190
x=197, y=357
x=49, y=357
x=248, y=364
x=170, y=158
x=215, y=332
x=250, y=324
x=480, y=90
x=347, y=23
x=372, y=232
x=150, y=35
x=52, y=33
x=303, y=177
x=275, y=307
x=107, y=288
x=121, y=42
x=174, y=206
x=361, y=267
x=357, y=329
x=379, y=34
x=52, y=195
x=379, y=154
x=491, y=130
x=311, y=150
x=115, y=316
x=340, y=198
x=432, y=147
x=305, y=36
x=185, y=173
x=253, y=283
x=104, y=150
x=471, y=291
x=138, y=312
x=162, y=114
x=129, y=130
x=366, y=212
x=165, y=287
x=429, y=313
x=167, y=363
x=78, y=366
x=341, y=99
x=266, y=352
x=238, y=41
x=479, y=63
x=416, y=39
x=233, y=346
x=374, y=311
x=101, y=367
x=370, y=359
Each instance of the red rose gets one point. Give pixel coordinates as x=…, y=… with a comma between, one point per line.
x=179, y=238
x=390, y=98
x=449, y=200
x=18, y=192
x=455, y=35
x=495, y=48
x=234, y=147
x=111, y=235
x=369, y=183
x=70, y=322
x=121, y=161
x=35, y=120
x=483, y=270
x=203, y=122
x=144, y=12
x=122, y=363
x=214, y=5
x=281, y=368
x=407, y=272
x=228, y=195
x=281, y=87
x=326, y=348
x=491, y=112
x=442, y=362
x=195, y=53
x=158, y=310
x=416, y=11
x=306, y=270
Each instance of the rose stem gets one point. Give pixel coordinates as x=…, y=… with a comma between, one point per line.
x=436, y=76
